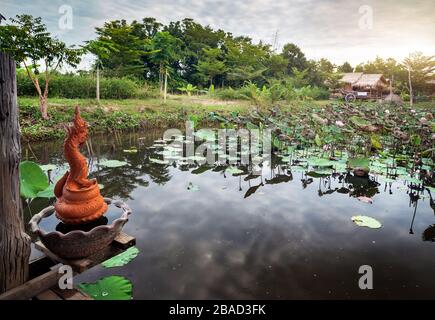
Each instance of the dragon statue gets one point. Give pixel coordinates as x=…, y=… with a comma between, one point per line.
x=78, y=198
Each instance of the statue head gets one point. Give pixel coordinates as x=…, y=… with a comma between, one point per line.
x=79, y=131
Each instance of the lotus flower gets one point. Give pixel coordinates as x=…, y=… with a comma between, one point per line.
x=339, y=123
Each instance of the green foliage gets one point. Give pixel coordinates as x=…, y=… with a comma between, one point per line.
x=75, y=86
x=32, y=180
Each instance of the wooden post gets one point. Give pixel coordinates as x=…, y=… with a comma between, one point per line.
x=14, y=242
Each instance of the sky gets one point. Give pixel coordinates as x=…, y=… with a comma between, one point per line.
x=339, y=30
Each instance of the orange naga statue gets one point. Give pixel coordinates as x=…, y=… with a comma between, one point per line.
x=78, y=198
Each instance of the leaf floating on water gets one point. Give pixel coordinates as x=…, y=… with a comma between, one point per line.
x=365, y=199
x=158, y=161
x=112, y=163
x=109, y=288
x=122, y=258
x=234, y=170
x=365, y=221
x=192, y=187
x=132, y=150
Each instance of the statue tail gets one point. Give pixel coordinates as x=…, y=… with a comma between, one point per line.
x=58, y=189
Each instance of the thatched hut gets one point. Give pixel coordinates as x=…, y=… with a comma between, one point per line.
x=370, y=86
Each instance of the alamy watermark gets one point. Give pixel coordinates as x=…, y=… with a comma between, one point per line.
x=221, y=146
x=66, y=19
x=366, y=280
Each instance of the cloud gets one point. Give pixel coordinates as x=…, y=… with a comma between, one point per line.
x=322, y=28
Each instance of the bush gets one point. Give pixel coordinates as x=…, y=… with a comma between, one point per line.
x=75, y=86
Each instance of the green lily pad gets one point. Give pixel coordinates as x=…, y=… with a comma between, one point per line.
x=132, y=150
x=112, y=163
x=234, y=170
x=109, y=288
x=365, y=221
x=122, y=258
x=32, y=179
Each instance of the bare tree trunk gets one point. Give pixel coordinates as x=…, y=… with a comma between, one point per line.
x=43, y=107
x=411, y=93
x=166, y=86
x=98, y=84
x=14, y=243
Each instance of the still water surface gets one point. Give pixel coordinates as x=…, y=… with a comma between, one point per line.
x=290, y=239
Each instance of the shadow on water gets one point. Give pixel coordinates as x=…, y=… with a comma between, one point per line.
x=267, y=232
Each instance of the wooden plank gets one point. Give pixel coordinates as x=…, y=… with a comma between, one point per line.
x=124, y=241
x=33, y=287
x=71, y=294
x=48, y=295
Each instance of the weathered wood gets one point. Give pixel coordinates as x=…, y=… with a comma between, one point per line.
x=48, y=295
x=14, y=242
x=71, y=294
x=33, y=287
x=124, y=241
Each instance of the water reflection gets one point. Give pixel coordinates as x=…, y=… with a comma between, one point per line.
x=267, y=232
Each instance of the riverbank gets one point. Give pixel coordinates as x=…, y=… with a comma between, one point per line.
x=135, y=114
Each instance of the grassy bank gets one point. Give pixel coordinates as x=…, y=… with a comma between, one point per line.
x=133, y=114
x=110, y=115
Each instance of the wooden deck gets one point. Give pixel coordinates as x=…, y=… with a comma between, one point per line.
x=44, y=273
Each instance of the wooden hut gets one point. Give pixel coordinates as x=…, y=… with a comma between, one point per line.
x=364, y=85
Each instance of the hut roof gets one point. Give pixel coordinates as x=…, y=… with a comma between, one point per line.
x=371, y=80
x=351, y=77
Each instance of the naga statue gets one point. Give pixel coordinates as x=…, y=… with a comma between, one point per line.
x=78, y=198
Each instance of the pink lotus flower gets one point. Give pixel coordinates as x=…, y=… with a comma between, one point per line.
x=326, y=147
x=339, y=124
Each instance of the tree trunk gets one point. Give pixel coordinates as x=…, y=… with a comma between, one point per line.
x=411, y=94
x=166, y=87
x=14, y=242
x=43, y=107
x=98, y=84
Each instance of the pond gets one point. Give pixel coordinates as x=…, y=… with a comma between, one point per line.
x=210, y=234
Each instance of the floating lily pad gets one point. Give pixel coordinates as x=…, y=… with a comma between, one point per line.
x=365, y=221
x=109, y=288
x=158, y=161
x=112, y=163
x=234, y=170
x=132, y=150
x=32, y=179
x=122, y=258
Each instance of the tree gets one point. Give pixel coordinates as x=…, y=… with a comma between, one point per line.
x=210, y=65
x=14, y=243
x=125, y=48
x=295, y=57
x=345, y=68
x=420, y=70
x=101, y=49
x=29, y=42
x=164, y=52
